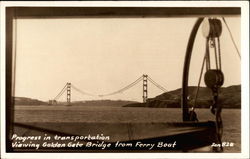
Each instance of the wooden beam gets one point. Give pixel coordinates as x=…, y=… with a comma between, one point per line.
x=36, y=12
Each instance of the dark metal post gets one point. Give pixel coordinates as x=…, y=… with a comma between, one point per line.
x=10, y=75
x=145, y=88
x=184, y=102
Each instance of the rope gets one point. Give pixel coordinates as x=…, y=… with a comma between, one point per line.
x=201, y=72
x=215, y=53
x=216, y=109
x=208, y=55
x=219, y=52
x=219, y=128
x=231, y=36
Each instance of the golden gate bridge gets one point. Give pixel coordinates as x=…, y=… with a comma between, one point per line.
x=144, y=78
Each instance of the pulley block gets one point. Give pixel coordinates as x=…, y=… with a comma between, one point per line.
x=211, y=28
x=214, y=79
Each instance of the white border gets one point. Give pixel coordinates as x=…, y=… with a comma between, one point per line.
x=126, y=4
x=2, y=75
x=244, y=76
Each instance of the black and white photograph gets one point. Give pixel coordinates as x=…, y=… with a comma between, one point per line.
x=113, y=79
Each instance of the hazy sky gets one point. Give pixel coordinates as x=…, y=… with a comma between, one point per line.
x=102, y=55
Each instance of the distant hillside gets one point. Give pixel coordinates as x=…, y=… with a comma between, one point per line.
x=229, y=97
x=28, y=101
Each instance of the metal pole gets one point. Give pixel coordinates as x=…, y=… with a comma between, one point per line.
x=184, y=102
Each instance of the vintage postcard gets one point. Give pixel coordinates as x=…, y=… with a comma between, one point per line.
x=101, y=79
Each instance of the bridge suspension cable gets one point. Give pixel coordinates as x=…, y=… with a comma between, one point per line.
x=156, y=84
x=124, y=88
x=61, y=92
x=112, y=93
x=82, y=92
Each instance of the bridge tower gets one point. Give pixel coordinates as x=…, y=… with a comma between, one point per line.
x=145, y=88
x=68, y=94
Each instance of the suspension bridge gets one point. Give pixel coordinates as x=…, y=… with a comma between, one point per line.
x=144, y=78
